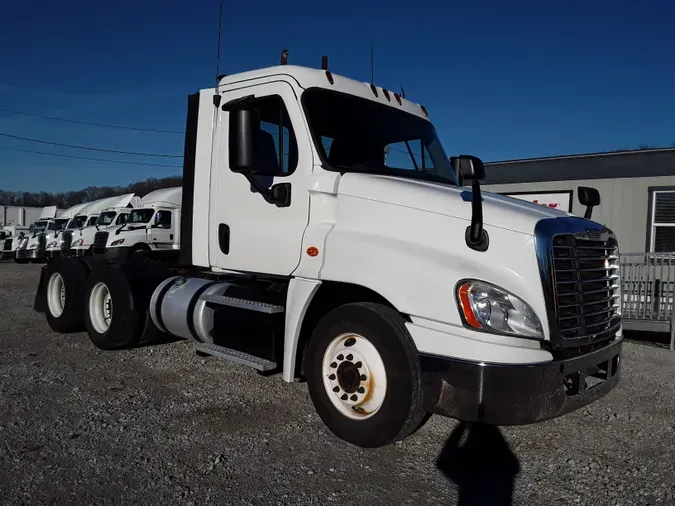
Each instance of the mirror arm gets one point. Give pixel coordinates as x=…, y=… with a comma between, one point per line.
x=589, y=212
x=476, y=237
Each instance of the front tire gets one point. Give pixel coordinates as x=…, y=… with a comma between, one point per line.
x=364, y=376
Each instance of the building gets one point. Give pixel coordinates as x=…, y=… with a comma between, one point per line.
x=13, y=215
x=637, y=191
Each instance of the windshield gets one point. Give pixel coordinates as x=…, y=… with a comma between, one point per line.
x=58, y=225
x=140, y=216
x=358, y=135
x=38, y=227
x=106, y=218
x=77, y=222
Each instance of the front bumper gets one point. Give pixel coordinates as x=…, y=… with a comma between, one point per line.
x=518, y=394
x=53, y=253
x=27, y=253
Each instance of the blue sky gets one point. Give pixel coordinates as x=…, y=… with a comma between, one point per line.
x=500, y=82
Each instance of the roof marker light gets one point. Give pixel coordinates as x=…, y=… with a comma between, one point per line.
x=424, y=110
x=386, y=95
x=329, y=76
x=373, y=89
x=398, y=98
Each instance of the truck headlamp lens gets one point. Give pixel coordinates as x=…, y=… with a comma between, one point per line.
x=493, y=309
x=117, y=242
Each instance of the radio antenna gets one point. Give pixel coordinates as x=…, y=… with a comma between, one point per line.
x=220, y=31
x=372, y=64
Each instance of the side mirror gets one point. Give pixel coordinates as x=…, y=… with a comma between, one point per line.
x=472, y=169
x=244, y=132
x=588, y=197
x=469, y=167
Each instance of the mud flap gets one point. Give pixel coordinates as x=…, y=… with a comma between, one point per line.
x=40, y=300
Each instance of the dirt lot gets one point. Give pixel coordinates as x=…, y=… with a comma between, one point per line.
x=160, y=425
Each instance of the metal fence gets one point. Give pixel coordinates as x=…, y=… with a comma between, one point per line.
x=647, y=288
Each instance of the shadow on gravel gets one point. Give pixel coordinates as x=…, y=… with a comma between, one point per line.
x=478, y=460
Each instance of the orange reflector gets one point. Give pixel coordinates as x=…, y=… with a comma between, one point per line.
x=312, y=251
x=466, y=307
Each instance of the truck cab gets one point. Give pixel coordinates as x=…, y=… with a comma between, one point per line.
x=153, y=225
x=32, y=246
x=10, y=236
x=324, y=235
x=82, y=240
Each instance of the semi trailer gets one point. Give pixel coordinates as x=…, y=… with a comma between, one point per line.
x=392, y=290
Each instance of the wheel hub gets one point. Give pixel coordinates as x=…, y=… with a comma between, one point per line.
x=354, y=376
x=348, y=377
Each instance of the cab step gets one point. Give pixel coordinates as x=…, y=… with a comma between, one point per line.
x=238, y=357
x=251, y=305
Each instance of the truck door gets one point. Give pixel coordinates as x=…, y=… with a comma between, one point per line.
x=248, y=233
x=161, y=233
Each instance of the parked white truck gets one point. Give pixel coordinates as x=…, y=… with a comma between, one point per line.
x=153, y=225
x=80, y=242
x=86, y=216
x=393, y=290
x=9, y=238
x=31, y=247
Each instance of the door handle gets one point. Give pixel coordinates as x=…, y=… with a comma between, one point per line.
x=224, y=238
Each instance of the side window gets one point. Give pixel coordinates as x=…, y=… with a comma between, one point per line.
x=91, y=221
x=411, y=155
x=163, y=219
x=121, y=218
x=277, y=148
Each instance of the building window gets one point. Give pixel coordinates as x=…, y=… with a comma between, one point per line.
x=663, y=221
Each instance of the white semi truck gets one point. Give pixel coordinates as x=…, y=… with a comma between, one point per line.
x=9, y=237
x=80, y=242
x=391, y=289
x=86, y=216
x=153, y=225
x=31, y=247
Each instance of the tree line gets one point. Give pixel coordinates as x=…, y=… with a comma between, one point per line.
x=64, y=200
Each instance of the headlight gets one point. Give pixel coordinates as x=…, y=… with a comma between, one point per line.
x=493, y=309
x=117, y=242
x=79, y=242
x=52, y=244
x=33, y=246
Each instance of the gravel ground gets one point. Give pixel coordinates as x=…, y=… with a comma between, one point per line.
x=160, y=425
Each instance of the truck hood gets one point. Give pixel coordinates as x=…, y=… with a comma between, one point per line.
x=498, y=211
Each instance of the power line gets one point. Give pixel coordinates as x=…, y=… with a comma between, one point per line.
x=91, y=159
x=161, y=155
x=106, y=125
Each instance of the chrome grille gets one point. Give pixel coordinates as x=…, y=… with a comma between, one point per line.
x=586, y=286
x=579, y=267
x=66, y=240
x=100, y=241
x=41, y=242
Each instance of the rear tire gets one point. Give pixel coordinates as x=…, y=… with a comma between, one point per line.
x=64, y=294
x=363, y=375
x=111, y=318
